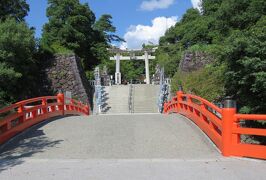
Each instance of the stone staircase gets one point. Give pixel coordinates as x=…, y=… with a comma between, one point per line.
x=115, y=99
x=145, y=98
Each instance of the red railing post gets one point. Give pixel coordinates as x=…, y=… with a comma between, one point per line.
x=165, y=107
x=72, y=105
x=79, y=106
x=174, y=100
x=228, y=119
x=61, y=102
x=21, y=111
x=87, y=109
x=179, y=95
x=34, y=113
x=44, y=103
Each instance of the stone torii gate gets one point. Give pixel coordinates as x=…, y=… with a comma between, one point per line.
x=118, y=57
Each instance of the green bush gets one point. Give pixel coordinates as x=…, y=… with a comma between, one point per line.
x=207, y=82
x=18, y=68
x=90, y=75
x=57, y=48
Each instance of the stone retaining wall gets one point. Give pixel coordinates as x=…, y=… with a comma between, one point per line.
x=193, y=61
x=65, y=73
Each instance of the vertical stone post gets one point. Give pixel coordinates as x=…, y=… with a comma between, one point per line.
x=228, y=118
x=117, y=69
x=147, y=71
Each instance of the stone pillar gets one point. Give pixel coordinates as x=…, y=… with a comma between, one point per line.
x=117, y=70
x=147, y=71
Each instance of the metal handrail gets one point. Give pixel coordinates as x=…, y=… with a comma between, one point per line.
x=163, y=96
x=130, y=98
x=98, y=94
x=98, y=90
x=164, y=91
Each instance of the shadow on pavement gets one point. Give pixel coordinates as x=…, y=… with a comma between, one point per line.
x=25, y=144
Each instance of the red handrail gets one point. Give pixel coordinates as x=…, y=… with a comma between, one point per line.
x=27, y=113
x=222, y=125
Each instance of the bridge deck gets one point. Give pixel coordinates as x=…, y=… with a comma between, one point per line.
x=150, y=146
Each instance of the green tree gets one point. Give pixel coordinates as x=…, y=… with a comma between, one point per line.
x=246, y=76
x=70, y=26
x=103, y=36
x=17, y=66
x=17, y=9
x=207, y=82
x=8, y=80
x=233, y=33
x=105, y=27
x=210, y=7
x=132, y=70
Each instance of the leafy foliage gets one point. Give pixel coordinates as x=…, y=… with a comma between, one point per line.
x=132, y=70
x=17, y=66
x=207, y=82
x=246, y=75
x=72, y=27
x=233, y=32
x=105, y=27
x=16, y=9
x=169, y=57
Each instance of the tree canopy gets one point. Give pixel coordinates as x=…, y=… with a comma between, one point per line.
x=16, y=9
x=17, y=65
x=72, y=27
x=233, y=32
x=105, y=26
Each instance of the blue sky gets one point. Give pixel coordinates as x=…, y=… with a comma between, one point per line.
x=138, y=21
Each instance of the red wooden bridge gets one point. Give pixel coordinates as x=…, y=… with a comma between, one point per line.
x=145, y=146
x=221, y=125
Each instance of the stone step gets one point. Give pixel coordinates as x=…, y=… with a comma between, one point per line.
x=116, y=99
x=145, y=98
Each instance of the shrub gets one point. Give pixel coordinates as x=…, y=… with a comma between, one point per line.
x=207, y=82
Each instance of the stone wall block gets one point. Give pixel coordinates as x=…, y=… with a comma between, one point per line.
x=65, y=73
x=194, y=61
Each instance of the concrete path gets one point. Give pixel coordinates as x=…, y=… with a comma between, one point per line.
x=149, y=146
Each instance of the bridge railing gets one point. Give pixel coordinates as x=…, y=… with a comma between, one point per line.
x=24, y=114
x=222, y=125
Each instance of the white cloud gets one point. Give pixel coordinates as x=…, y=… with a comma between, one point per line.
x=196, y=4
x=151, y=5
x=139, y=34
x=123, y=46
